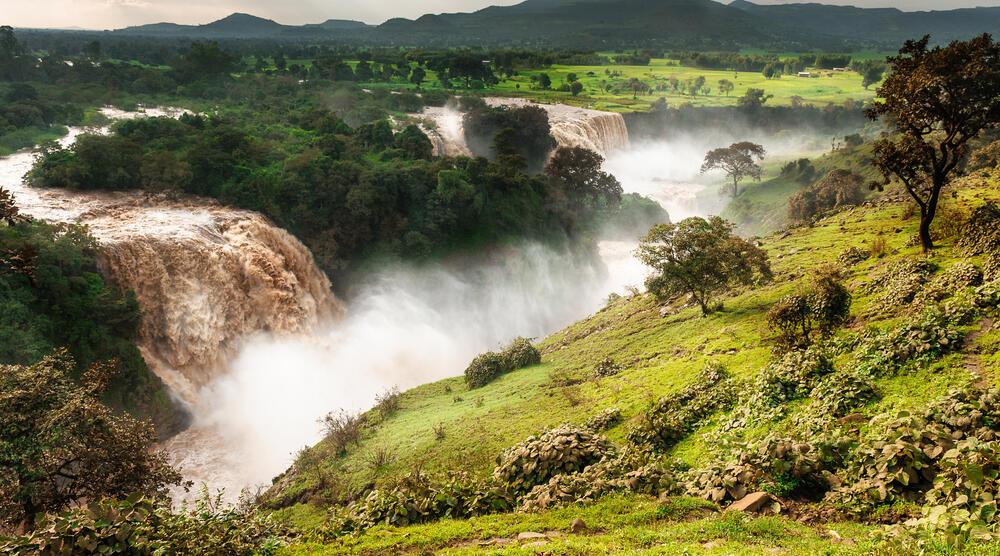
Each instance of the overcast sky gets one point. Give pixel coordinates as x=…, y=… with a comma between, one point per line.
x=113, y=14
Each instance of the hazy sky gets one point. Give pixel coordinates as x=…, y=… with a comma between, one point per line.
x=112, y=14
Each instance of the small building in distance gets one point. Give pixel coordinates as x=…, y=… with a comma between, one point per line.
x=839, y=69
x=804, y=74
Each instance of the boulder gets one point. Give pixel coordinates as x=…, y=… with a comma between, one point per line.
x=578, y=526
x=755, y=502
x=531, y=536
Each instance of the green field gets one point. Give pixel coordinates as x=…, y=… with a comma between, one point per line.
x=829, y=86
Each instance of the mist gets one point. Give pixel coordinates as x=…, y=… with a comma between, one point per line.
x=407, y=325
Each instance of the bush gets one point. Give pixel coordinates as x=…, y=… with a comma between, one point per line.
x=604, y=420
x=520, y=353
x=825, y=305
x=837, y=189
x=140, y=525
x=898, y=283
x=981, y=233
x=606, y=367
x=563, y=450
x=342, y=429
x=484, y=368
x=487, y=366
x=672, y=418
x=852, y=256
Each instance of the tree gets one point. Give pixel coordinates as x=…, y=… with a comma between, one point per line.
x=872, y=75
x=417, y=76
x=571, y=77
x=753, y=99
x=699, y=257
x=62, y=445
x=726, y=86
x=937, y=101
x=575, y=88
x=738, y=161
x=637, y=87
x=363, y=72
x=696, y=85
x=576, y=171
x=544, y=81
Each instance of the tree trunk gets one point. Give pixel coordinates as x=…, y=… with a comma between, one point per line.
x=925, y=231
x=736, y=187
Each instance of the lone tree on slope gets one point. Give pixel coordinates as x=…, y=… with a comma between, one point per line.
x=937, y=101
x=700, y=257
x=738, y=161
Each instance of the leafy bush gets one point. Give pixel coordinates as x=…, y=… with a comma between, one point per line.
x=838, y=188
x=981, y=233
x=487, y=366
x=852, y=256
x=415, y=499
x=957, y=277
x=520, y=353
x=140, y=525
x=839, y=393
x=898, y=283
x=671, y=418
x=790, y=378
x=342, y=429
x=484, y=368
x=604, y=420
x=566, y=449
x=606, y=367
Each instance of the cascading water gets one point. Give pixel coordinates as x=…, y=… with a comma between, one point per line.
x=206, y=276
x=601, y=132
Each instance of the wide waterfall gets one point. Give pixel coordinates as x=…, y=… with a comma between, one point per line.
x=602, y=132
x=206, y=276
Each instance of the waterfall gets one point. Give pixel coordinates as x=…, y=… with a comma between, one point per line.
x=206, y=276
x=601, y=132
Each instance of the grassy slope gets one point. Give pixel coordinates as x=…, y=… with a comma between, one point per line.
x=659, y=355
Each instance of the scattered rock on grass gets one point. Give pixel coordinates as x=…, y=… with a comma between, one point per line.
x=755, y=502
x=578, y=526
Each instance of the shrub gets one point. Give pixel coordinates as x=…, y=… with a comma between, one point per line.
x=520, y=353
x=566, y=449
x=387, y=402
x=981, y=233
x=790, y=378
x=484, y=368
x=342, y=429
x=791, y=317
x=671, y=418
x=606, y=367
x=898, y=283
x=487, y=366
x=604, y=420
x=839, y=393
x=140, y=525
x=838, y=188
x=852, y=256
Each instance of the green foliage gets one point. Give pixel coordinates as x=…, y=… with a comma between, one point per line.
x=839, y=188
x=141, y=525
x=563, y=450
x=606, y=367
x=700, y=257
x=981, y=234
x=898, y=283
x=604, y=420
x=59, y=444
x=487, y=366
x=671, y=418
x=852, y=256
x=416, y=499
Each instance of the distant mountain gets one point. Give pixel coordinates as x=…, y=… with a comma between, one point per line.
x=604, y=24
x=887, y=24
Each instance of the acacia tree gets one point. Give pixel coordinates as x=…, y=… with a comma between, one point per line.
x=61, y=445
x=937, y=101
x=726, y=86
x=700, y=257
x=738, y=161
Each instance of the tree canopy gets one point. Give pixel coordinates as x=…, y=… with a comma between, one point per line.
x=937, y=100
x=699, y=257
x=738, y=161
x=59, y=444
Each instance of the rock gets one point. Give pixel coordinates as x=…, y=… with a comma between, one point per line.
x=853, y=418
x=754, y=502
x=578, y=526
x=712, y=544
x=536, y=544
x=530, y=536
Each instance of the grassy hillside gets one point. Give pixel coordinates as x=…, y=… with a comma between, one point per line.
x=661, y=348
